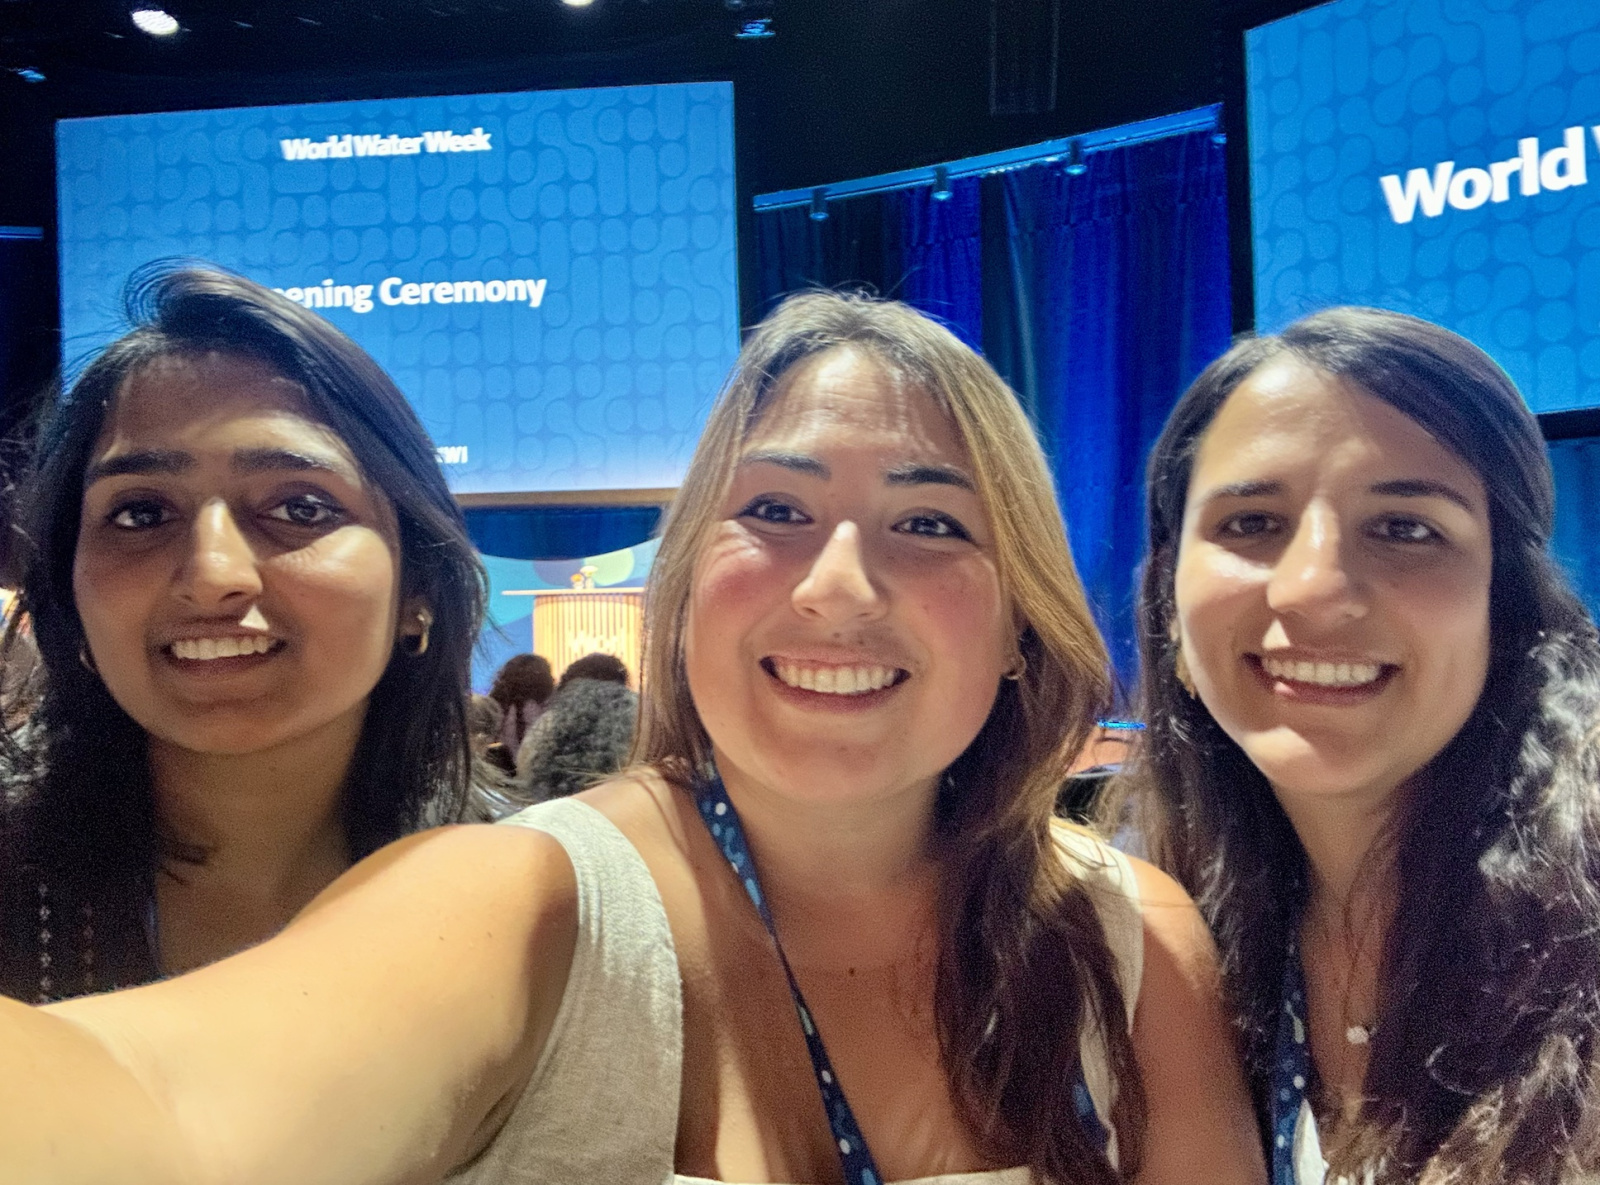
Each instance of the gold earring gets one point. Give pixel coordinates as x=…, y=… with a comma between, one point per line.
x=1016, y=672
x=1180, y=667
x=421, y=646
x=87, y=659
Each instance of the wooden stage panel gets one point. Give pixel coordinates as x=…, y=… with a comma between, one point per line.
x=569, y=623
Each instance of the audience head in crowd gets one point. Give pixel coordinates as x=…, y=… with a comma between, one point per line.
x=601, y=667
x=521, y=688
x=585, y=732
x=240, y=556
x=867, y=646
x=1371, y=703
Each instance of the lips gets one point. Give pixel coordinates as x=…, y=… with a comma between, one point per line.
x=842, y=679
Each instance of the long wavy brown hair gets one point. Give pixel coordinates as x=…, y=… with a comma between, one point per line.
x=1486, y=1067
x=1023, y=963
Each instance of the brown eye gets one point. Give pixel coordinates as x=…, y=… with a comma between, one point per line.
x=140, y=515
x=1405, y=530
x=305, y=510
x=932, y=526
x=775, y=511
x=1247, y=526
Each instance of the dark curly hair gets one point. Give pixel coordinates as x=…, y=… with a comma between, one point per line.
x=584, y=735
x=79, y=808
x=523, y=677
x=1484, y=1069
x=607, y=668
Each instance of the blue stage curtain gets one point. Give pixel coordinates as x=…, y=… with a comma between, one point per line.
x=938, y=245
x=1098, y=297
x=1107, y=295
x=1577, y=471
x=559, y=532
x=846, y=249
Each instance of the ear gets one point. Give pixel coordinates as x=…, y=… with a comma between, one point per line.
x=416, y=617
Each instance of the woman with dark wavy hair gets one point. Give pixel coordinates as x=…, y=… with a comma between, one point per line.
x=255, y=603
x=829, y=910
x=1372, y=705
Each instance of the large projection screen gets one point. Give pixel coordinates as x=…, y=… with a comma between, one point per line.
x=1442, y=158
x=550, y=277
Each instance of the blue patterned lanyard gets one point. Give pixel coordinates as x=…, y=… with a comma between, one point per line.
x=859, y=1167
x=1291, y=1064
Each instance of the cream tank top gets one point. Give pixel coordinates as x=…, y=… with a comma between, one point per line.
x=602, y=1103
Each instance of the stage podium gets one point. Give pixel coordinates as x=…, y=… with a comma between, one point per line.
x=569, y=623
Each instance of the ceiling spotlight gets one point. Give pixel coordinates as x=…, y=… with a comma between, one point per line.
x=577, y=3
x=941, y=184
x=157, y=22
x=819, y=204
x=1076, y=165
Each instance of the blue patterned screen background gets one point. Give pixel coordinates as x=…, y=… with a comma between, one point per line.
x=1345, y=94
x=612, y=210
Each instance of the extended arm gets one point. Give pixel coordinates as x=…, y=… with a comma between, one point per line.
x=368, y=1043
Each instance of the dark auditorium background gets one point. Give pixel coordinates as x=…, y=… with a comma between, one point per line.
x=1098, y=293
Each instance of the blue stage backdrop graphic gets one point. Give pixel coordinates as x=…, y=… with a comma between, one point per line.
x=1442, y=158
x=550, y=277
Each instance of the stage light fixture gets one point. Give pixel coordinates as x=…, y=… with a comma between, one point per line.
x=577, y=3
x=1076, y=165
x=941, y=184
x=157, y=22
x=819, y=204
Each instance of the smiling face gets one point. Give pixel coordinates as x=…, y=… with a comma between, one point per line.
x=236, y=578
x=846, y=632
x=1332, y=584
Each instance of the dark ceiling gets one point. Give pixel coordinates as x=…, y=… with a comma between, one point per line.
x=842, y=89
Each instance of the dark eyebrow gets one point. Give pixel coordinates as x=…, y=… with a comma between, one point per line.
x=259, y=460
x=172, y=462
x=165, y=461
x=1246, y=489
x=797, y=462
x=1423, y=488
x=929, y=475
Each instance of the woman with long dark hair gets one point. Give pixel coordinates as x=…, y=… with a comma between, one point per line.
x=869, y=664
x=1372, y=704
x=254, y=601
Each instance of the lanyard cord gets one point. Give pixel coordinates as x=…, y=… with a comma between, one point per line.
x=1291, y=1064
x=723, y=822
x=720, y=818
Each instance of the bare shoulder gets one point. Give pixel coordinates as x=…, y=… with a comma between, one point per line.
x=1200, y=1125
x=1177, y=941
x=642, y=804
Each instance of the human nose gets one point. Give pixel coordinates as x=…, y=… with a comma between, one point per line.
x=838, y=587
x=220, y=564
x=1314, y=578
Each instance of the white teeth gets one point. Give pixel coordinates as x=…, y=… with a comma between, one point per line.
x=834, y=680
x=1323, y=674
x=204, y=649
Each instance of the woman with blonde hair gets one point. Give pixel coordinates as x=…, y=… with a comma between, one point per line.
x=869, y=666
